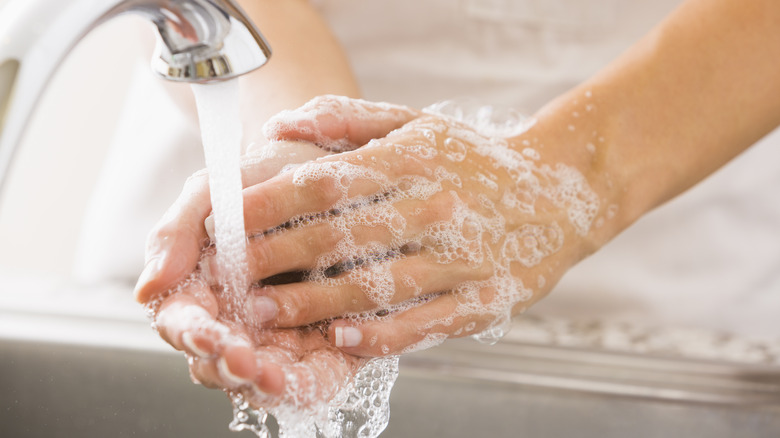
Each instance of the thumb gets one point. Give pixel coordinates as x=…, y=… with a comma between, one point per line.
x=338, y=123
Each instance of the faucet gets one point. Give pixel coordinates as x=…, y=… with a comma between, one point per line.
x=199, y=41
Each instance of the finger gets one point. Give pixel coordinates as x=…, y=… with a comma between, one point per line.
x=301, y=249
x=344, y=234
x=344, y=181
x=317, y=376
x=175, y=244
x=338, y=123
x=262, y=162
x=261, y=371
x=414, y=329
x=238, y=366
x=314, y=189
x=291, y=251
x=188, y=321
x=188, y=312
x=220, y=361
x=324, y=372
x=232, y=369
x=204, y=371
x=270, y=379
x=361, y=290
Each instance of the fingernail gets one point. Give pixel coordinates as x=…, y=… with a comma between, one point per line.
x=209, y=224
x=348, y=337
x=265, y=309
x=150, y=271
x=189, y=342
x=225, y=373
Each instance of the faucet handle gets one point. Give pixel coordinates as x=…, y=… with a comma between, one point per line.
x=205, y=40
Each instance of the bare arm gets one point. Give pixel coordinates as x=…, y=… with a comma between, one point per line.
x=686, y=99
x=694, y=93
x=307, y=61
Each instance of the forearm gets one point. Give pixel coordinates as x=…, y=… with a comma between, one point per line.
x=682, y=102
x=307, y=61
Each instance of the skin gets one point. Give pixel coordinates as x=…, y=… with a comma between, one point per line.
x=682, y=102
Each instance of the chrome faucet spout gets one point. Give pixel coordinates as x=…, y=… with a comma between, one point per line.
x=199, y=41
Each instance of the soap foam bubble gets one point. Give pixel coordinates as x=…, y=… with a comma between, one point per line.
x=475, y=232
x=488, y=120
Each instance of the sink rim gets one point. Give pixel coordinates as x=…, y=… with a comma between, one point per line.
x=117, y=322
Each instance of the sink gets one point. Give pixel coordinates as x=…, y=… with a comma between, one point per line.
x=75, y=372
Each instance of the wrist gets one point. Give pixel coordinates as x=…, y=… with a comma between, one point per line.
x=573, y=134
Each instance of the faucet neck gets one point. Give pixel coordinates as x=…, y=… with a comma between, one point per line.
x=198, y=41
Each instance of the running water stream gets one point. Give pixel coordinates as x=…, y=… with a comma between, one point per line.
x=221, y=133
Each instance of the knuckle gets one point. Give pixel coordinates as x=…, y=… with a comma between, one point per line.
x=294, y=309
x=440, y=208
x=325, y=191
x=263, y=205
x=407, y=282
x=202, y=371
x=322, y=240
x=325, y=100
x=393, y=340
x=261, y=259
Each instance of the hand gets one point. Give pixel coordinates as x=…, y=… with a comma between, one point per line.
x=433, y=231
x=227, y=354
x=224, y=353
x=175, y=245
x=177, y=242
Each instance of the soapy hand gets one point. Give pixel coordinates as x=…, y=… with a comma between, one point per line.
x=222, y=353
x=296, y=367
x=432, y=230
x=261, y=364
x=177, y=242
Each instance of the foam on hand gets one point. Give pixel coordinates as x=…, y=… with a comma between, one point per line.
x=326, y=121
x=474, y=231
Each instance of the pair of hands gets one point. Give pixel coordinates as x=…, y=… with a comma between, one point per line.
x=418, y=229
